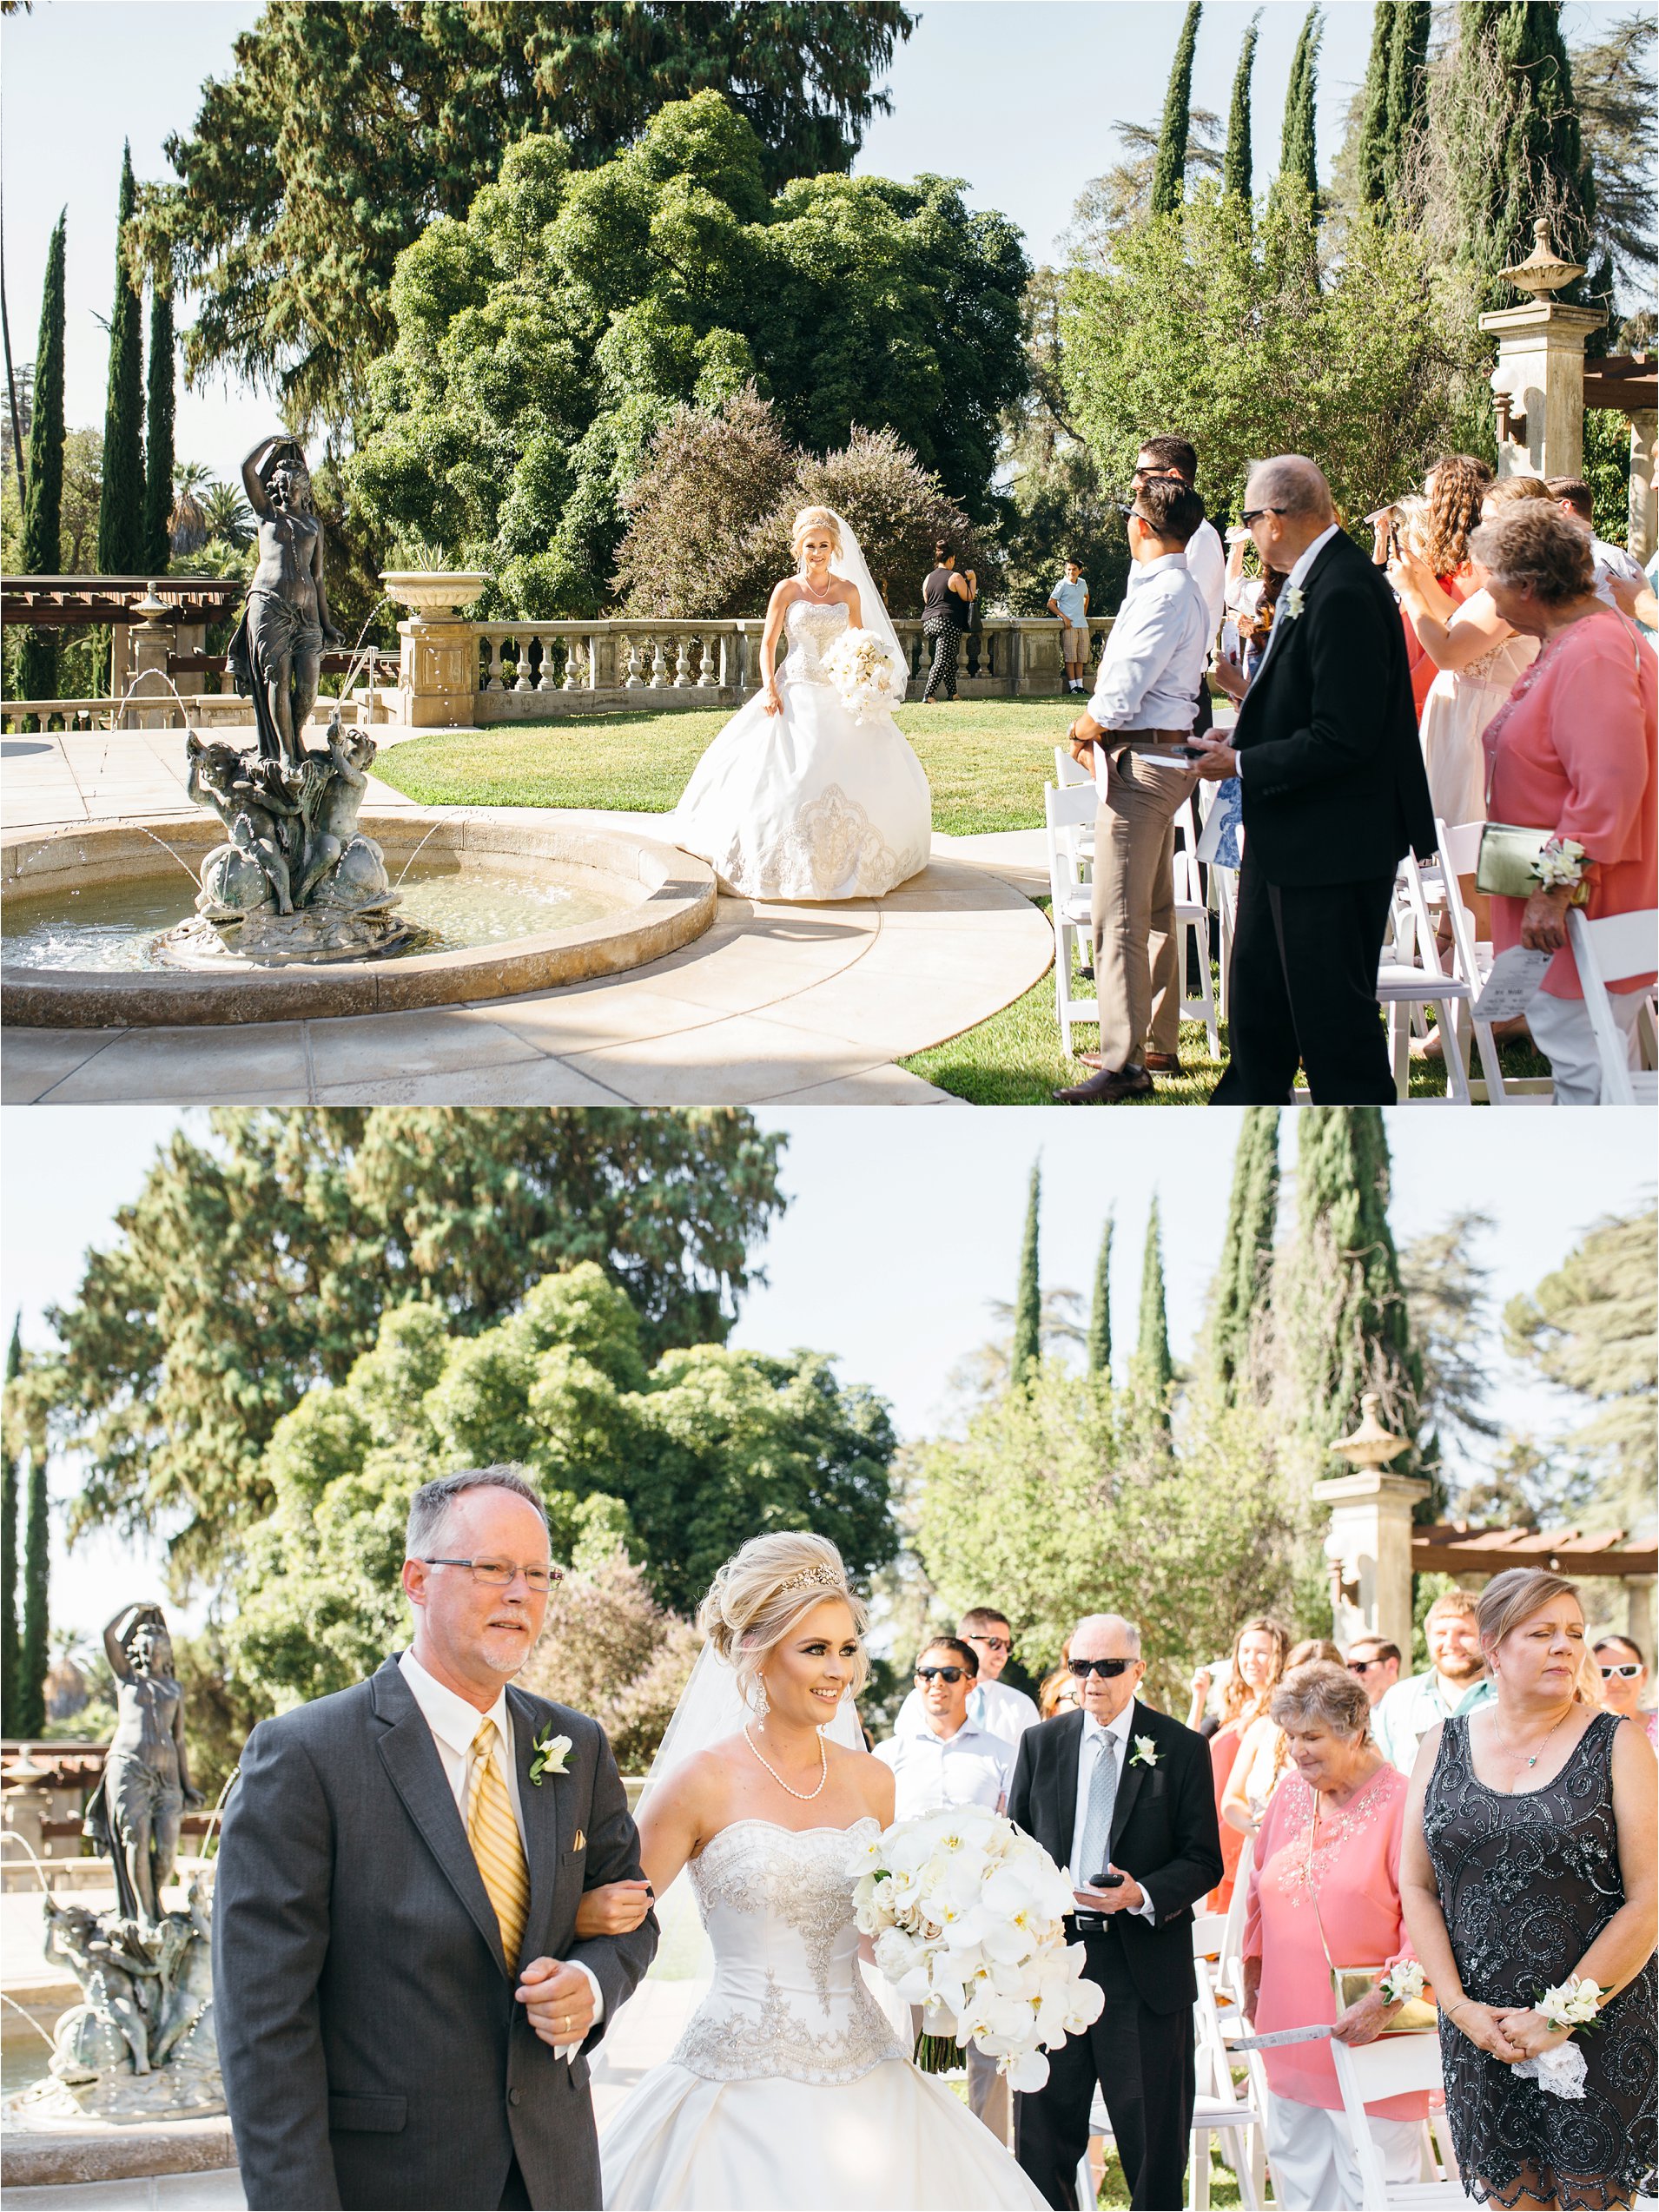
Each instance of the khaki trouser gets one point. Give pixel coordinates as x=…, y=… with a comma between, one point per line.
x=1137, y=953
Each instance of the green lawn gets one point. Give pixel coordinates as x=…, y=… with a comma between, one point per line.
x=987, y=761
x=1015, y=1059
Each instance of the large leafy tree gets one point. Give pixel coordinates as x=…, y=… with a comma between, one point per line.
x=344, y=131
x=121, y=498
x=543, y=341
x=258, y=1263
x=1613, y=86
x=682, y=1460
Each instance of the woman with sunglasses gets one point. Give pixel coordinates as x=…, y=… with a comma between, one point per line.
x=1623, y=1674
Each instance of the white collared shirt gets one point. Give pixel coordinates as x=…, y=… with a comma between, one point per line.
x=1206, y=564
x=997, y=1707
x=971, y=1767
x=1610, y=561
x=1110, y=1742
x=1153, y=662
x=454, y=1724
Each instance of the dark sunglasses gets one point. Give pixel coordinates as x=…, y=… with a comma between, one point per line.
x=1110, y=1668
x=943, y=1674
x=1254, y=515
x=1363, y=1665
x=1626, y=1673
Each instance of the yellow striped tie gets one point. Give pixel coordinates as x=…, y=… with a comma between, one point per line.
x=493, y=1834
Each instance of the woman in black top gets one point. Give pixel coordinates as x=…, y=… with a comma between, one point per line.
x=946, y=598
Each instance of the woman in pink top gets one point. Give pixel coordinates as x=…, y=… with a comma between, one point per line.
x=1572, y=751
x=1326, y=1880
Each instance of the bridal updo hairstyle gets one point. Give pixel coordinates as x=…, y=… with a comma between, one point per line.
x=757, y=1597
x=811, y=518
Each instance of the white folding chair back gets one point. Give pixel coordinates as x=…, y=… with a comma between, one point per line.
x=1219, y=2109
x=1192, y=921
x=1367, y=2073
x=1411, y=975
x=1615, y=946
x=1230, y=1977
x=1066, y=815
x=1067, y=772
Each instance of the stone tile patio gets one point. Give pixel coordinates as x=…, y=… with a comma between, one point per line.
x=810, y=1004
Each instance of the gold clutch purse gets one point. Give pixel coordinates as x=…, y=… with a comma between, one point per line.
x=1350, y=1983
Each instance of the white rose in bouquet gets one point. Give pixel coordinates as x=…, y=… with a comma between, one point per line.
x=863, y=672
x=968, y=1918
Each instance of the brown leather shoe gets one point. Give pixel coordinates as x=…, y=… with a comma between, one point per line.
x=1108, y=1087
x=1154, y=1063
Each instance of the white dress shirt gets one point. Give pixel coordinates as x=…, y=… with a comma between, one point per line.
x=1293, y=582
x=454, y=1724
x=931, y=1772
x=1111, y=1742
x=1206, y=564
x=996, y=1707
x=1610, y=561
x=1153, y=662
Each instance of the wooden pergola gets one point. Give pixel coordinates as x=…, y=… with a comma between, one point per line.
x=1453, y=1548
x=1626, y=381
x=87, y=602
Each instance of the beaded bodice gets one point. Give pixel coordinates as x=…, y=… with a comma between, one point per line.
x=811, y=629
x=789, y=1998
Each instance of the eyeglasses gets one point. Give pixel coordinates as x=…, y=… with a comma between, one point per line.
x=1158, y=476
x=1252, y=516
x=1110, y=1668
x=993, y=1643
x=1363, y=1665
x=1626, y=1673
x=943, y=1674
x=498, y=1573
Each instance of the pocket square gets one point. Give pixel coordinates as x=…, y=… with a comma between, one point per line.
x=579, y=1841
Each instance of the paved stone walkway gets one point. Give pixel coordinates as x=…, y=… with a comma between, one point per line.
x=807, y=1004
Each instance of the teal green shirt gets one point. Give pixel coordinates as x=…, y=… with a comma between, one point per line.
x=1405, y=1713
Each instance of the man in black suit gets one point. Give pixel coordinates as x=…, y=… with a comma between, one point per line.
x=1334, y=793
x=1120, y=1790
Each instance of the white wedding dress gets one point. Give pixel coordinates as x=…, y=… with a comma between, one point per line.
x=1455, y=716
x=808, y=803
x=789, y=2087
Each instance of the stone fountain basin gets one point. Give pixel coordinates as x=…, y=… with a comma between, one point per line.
x=669, y=899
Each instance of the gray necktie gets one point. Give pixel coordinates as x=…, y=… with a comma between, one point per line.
x=1097, y=1822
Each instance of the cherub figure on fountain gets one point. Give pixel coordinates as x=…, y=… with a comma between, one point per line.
x=252, y=870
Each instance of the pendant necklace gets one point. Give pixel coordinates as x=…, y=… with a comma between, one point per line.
x=805, y=1796
x=1543, y=1739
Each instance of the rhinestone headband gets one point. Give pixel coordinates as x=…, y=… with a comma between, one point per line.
x=825, y=1577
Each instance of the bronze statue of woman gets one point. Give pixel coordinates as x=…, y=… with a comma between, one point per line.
x=276, y=655
x=137, y=1810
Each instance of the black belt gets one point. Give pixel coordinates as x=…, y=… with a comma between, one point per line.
x=1090, y=1924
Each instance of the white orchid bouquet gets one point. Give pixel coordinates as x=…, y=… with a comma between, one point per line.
x=968, y=1918
x=863, y=672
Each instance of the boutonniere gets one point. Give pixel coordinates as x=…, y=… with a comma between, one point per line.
x=1295, y=600
x=549, y=1754
x=1146, y=1752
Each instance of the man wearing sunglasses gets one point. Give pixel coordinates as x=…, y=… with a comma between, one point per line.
x=1121, y=1791
x=403, y=1999
x=1377, y=1663
x=992, y=1705
x=948, y=1760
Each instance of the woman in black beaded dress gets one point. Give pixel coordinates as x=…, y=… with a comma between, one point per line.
x=1529, y=1857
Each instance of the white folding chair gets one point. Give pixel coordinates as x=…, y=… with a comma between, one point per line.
x=1615, y=945
x=1065, y=814
x=1392, y=2066
x=1192, y=921
x=1066, y=771
x=1410, y=975
x=1220, y=2110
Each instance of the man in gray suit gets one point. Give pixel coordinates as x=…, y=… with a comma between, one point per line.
x=404, y=1991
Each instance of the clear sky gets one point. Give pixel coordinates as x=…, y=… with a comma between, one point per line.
x=902, y=1224
x=1016, y=96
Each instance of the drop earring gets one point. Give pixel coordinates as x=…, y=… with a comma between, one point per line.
x=762, y=1703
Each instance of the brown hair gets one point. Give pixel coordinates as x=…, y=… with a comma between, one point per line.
x=1514, y=491
x=1174, y=509
x=1049, y=1694
x=1460, y=482
x=1237, y=1696
x=1312, y=1649
x=1577, y=493
x=1454, y=1600
x=1177, y=454
x=1537, y=545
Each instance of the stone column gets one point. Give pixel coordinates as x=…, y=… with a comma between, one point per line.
x=153, y=640
x=437, y=657
x=1539, y=386
x=1644, y=497
x=1370, y=1549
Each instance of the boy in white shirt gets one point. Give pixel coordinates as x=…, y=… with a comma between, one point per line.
x=1068, y=603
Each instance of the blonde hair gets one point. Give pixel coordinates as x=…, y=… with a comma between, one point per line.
x=813, y=518
x=1509, y=491
x=1514, y=1596
x=758, y=1596
x=1412, y=519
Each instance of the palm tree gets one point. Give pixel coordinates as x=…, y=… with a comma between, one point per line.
x=187, y=526
x=228, y=515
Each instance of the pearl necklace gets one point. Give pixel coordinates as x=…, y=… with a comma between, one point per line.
x=805, y=1796
x=818, y=598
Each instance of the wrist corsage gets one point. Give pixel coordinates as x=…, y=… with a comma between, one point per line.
x=1402, y=1983
x=1571, y=2005
x=1559, y=863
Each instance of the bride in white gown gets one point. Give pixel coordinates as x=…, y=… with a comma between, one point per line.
x=789, y=2087
x=794, y=799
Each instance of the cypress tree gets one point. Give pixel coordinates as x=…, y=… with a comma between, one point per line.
x=1242, y=1276
x=1154, y=1370
x=39, y=551
x=10, y=1647
x=158, y=436
x=1408, y=96
x=34, y=1657
x=1028, y=1302
x=1098, y=1354
x=1345, y=1313
x=1298, y=164
x=1371, y=164
x=1169, y=169
x=1237, y=170
x=121, y=504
